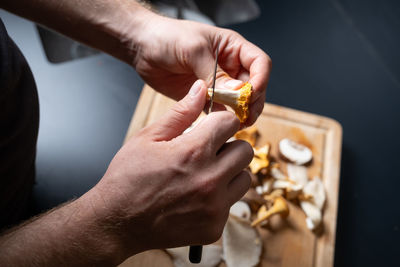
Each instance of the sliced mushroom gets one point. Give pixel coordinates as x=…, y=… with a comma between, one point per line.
x=313, y=213
x=242, y=245
x=313, y=206
x=238, y=100
x=294, y=152
x=297, y=173
x=315, y=188
x=212, y=256
x=249, y=135
x=241, y=209
x=266, y=187
x=277, y=173
x=280, y=207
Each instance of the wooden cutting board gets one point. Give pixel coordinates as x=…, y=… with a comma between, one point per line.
x=286, y=242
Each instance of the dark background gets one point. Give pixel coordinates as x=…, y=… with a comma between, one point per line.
x=341, y=59
x=337, y=58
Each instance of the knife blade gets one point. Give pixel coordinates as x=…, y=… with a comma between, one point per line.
x=214, y=78
x=195, y=252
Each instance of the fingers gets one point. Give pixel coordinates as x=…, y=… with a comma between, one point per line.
x=234, y=157
x=239, y=185
x=214, y=130
x=182, y=114
x=258, y=65
x=255, y=109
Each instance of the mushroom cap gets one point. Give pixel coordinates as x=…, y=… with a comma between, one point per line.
x=315, y=188
x=297, y=174
x=242, y=109
x=242, y=245
x=277, y=173
x=294, y=152
x=249, y=135
x=313, y=213
x=241, y=209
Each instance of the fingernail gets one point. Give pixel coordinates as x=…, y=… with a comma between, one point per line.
x=233, y=84
x=195, y=88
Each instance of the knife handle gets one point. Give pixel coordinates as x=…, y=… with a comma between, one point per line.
x=195, y=254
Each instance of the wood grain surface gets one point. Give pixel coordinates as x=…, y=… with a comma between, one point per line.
x=286, y=242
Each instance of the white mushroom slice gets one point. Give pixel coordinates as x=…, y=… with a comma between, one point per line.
x=313, y=206
x=267, y=186
x=297, y=174
x=315, y=188
x=277, y=173
x=292, y=189
x=212, y=256
x=313, y=214
x=241, y=243
x=295, y=152
x=259, y=190
x=241, y=209
x=281, y=184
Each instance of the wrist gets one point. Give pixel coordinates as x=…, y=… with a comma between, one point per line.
x=125, y=25
x=102, y=225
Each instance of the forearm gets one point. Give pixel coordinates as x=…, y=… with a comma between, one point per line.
x=102, y=24
x=72, y=235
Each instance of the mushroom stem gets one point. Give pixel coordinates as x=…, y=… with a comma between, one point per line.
x=238, y=100
x=280, y=207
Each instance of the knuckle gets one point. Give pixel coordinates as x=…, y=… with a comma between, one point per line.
x=207, y=188
x=228, y=118
x=194, y=153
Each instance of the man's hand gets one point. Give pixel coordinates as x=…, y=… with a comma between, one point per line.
x=168, y=189
x=164, y=188
x=171, y=54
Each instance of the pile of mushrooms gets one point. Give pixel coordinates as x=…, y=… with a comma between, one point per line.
x=272, y=187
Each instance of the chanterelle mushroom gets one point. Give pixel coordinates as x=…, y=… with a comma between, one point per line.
x=280, y=207
x=295, y=152
x=238, y=100
x=260, y=159
x=249, y=135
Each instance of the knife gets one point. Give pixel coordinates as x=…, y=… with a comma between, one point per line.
x=195, y=252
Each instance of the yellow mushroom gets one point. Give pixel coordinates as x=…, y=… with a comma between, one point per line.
x=249, y=135
x=238, y=100
x=280, y=207
x=260, y=159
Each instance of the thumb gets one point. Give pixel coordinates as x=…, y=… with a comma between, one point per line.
x=182, y=114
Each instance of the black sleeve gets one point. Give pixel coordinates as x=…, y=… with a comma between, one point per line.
x=19, y=121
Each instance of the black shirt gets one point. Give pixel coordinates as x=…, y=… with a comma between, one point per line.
x=19, y=121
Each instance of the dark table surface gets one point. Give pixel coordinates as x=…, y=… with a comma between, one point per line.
x=341, y=59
